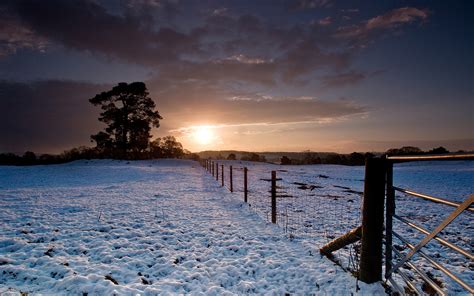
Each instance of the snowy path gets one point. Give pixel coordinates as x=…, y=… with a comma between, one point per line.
x=161, y=227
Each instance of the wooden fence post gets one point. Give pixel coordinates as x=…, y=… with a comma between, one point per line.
x=273, y=191
x=212, y=168
x=222, y=169
x=217, y=171
x=231, y=181
x=372, y=221
x=245, y=185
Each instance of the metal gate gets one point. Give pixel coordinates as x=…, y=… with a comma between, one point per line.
x=395, y=259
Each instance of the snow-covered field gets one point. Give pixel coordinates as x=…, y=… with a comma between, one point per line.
x=166, y=227
x=147, y=227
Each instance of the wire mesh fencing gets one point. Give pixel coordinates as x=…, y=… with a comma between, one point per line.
x=311, y=207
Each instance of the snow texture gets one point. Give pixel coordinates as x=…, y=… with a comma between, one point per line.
x=149, y=227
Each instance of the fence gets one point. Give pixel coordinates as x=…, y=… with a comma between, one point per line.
x=424, y=273
x=349, y=228
x=308, y=208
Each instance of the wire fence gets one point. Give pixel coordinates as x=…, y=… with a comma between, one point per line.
x=309, y=207
x=325, y=211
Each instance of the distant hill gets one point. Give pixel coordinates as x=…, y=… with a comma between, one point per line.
x=274, y=157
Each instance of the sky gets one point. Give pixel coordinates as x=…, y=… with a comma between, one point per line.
x=319, y=75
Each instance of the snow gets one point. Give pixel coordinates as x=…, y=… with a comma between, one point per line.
x=149, y=227
x=168, y=227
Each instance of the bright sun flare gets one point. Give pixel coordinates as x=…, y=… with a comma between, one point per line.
x=203, y=135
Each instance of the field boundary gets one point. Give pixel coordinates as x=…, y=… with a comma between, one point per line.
x=374, y=233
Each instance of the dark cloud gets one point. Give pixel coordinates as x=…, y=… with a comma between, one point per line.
x=218, y=46
x=159, y=10
x=14, y=35
x=289, y=51
x=47, y=116
x=306, y=57
x=85, y=25
x=308, y=4
x=342, y=79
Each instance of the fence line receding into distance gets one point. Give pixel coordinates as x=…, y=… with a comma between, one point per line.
x=351, y=227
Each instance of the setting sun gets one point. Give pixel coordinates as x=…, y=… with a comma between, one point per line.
x=203, y=135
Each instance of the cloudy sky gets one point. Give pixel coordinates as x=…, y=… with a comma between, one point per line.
x=265, y=75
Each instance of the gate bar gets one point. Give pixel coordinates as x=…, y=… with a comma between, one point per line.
x=423, y=275
x=436, y=264
x=431, y=198
x=439, y=239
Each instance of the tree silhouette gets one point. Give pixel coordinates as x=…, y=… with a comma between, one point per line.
x=406, y=150
x=171, y=148
x=439, y=150
x=285, y=160
x=129, y=114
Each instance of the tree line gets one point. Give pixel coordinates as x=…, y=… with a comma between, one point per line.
x=357, y=158
x=166, y=147
x=309, y=157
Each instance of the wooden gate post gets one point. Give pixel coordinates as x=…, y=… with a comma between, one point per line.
x=231, y=181
x=245, y=185
x=222, y=169
x=217, y=171
x=389, y=212
x=372, y=221
x=273, y=197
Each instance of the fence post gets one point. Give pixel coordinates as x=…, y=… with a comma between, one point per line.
x=389, y=212
x=245, y=185
x=231, y=181
x=217, y=171
x=273, y=197
x=372, y=221
x=222, y=167
x=212, y=168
